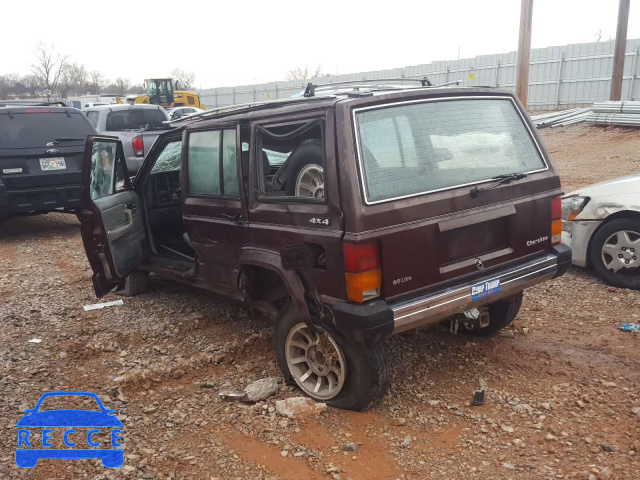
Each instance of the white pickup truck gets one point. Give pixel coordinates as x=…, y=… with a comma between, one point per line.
x=137, y=126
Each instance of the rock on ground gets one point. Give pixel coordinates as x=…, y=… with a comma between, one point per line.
x=299, y=407
x=262, y=389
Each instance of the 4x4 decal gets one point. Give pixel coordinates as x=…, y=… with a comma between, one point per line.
x=320, y=221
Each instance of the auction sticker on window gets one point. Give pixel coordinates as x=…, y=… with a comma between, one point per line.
x=485, y=289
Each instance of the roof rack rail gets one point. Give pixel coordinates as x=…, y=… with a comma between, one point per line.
x=310, y=90
x=234, y=108
x=27, y=103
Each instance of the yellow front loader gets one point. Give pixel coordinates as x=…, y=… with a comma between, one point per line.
x=160, y=92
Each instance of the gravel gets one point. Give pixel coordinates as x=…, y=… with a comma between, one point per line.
x=563, y=396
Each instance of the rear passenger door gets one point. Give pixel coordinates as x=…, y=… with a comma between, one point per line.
x=213, y=212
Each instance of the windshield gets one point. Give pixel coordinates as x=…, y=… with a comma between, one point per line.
x=170, y=159
x=416, y=148
x=32, y=130
x=136, y=119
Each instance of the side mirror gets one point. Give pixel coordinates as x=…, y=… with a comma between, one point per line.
x=301, y=256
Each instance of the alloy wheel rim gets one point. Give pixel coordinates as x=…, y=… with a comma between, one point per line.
x=621, y=252
x=310, y=182
x=315, y=361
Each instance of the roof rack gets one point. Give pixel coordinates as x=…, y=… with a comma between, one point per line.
x=310, y=90
x=27, y=103
x=229, y=109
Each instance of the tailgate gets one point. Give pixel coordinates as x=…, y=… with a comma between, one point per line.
x=451, y=186
x=41, y=167
x=431, y=252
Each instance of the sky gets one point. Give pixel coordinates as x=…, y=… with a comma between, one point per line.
x=229, y=43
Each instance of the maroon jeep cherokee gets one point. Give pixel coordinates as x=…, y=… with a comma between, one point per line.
x=347, y=217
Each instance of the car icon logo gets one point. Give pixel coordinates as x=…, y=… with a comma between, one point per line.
x=31, y=448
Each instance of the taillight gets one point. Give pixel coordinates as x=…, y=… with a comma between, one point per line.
x=556, y=220
x=362, y=271
x=138, y=146
x=38, y=110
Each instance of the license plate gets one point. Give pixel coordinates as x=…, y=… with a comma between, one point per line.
x=485, y=289
x=54, y=163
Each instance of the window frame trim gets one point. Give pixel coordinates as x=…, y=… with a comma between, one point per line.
x=259, y=175
x=221, y=195
x=361, y=170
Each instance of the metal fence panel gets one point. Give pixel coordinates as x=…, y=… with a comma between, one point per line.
x=560, y=77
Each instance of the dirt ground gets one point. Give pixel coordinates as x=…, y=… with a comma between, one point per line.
x=563, y=383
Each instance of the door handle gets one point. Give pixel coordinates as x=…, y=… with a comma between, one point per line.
x=236, y=218
x=129, y=215
x=122, y=229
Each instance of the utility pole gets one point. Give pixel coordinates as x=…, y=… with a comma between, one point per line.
x=619, y=51
x=524, y=51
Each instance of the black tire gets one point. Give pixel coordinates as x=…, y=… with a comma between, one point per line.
x=135, y=283
x=501, y=315
x=624, y=278
x=368, y=372
x=308, y=153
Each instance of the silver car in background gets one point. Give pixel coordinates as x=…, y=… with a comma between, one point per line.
x=601, y=224
x=178, y=112
x=137, y=126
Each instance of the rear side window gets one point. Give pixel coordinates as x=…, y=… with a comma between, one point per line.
x=42, y=128
x=417, y=148
x=212, y=163
x=136, y=119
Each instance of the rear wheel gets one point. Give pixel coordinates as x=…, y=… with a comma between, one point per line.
x=615, y=253
x=328, y=367
x=501, y=315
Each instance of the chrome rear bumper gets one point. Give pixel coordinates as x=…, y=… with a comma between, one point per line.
x=436, y=306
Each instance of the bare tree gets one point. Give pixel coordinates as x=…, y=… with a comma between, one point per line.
x=598, y=35
x=32, y=85
x=183, y=80
x=97, y=81
x=66, y=82
x=304, y=73
x=49, y=66
x=7, y=84
x=137, y=89
x=123, y=85
x=80, y=77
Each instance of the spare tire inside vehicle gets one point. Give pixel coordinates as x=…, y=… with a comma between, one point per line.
x=305, y=174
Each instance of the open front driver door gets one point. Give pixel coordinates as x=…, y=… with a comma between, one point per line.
x=113, y=230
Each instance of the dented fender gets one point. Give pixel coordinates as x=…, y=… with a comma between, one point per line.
x=293, y=282
x=601, y=208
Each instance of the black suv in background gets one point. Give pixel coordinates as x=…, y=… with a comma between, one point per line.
x=41, y=158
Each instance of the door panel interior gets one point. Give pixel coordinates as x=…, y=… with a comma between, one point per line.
x=124, y=228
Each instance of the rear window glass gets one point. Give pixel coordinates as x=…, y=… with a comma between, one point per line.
x=148, y=119
x=31, y=130
x=416, y=148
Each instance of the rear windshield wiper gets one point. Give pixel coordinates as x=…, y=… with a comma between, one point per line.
x=67, y=139
x=500, y=180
